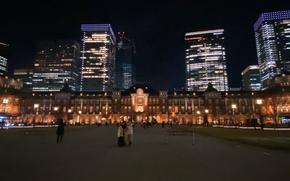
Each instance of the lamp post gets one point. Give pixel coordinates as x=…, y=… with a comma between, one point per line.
x=5, y=102
x=36, y=106
x=78, y=117
x=198, y=113
x=69, y=111
x=206, y=111
x=259, y=102
x=55, y=110
x=234, y=107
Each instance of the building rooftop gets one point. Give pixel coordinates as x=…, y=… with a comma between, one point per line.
x=269, y=16
x=250, y=67
x=217, y=31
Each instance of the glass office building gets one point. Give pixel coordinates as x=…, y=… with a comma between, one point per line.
x=251, y=78
x=206, y=60
x=3, y=59
x=97, y=57
x=56, y=64
x=3, y=66
x=125, y=69
x=272, y=33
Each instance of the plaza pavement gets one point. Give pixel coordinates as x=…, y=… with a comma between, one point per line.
x=91, y=154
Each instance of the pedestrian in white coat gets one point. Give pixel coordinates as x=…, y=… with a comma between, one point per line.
x=129, y=133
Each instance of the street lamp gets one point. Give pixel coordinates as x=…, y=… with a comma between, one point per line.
x=206, y=111
x=234, y=106
x=198, y=113
x=69, y=111
x=36, y=106
x=78, y=116
x=5, y=102
x=55, y=108
x=259, y=102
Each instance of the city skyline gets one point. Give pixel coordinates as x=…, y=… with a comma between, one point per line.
x=145, y=90
x=158, y=36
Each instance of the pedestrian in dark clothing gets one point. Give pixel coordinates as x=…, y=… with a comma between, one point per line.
x=121, y=134
x=60, y=130
x=163, y=124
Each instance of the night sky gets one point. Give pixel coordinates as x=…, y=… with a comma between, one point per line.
x=157, y=28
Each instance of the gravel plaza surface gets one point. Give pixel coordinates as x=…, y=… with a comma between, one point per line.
x=91, y=153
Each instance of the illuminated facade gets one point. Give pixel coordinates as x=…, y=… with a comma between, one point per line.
x=24, y=75
x=251, y=78
x=125, y=69
x=97, y=58
x=56, y=63
x=205, y=60
x=9, y=105
x=272, y=32
x=10, y=83
x=142, y=103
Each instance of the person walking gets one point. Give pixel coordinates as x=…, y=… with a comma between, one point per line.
x=121, y=134
x=60, y=130
x=129, y=133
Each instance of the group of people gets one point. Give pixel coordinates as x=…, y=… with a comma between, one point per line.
x=125, y=134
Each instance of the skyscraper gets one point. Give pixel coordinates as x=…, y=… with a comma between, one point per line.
x=56, y=64
x=97, y=57
x=3, y=59
x=251, y=78
x=125, y=69
x=205, y=60
x=3, y=66
x=272, y=33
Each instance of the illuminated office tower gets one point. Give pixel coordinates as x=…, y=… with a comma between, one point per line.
x=97, y=57
x=3, y=66
x=272, y=33
x=125, y=69
x=205, y=60
x=3, y=59
x=56, y=64
x=251, y=78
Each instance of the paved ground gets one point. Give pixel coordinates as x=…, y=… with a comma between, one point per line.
x=91, y=154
